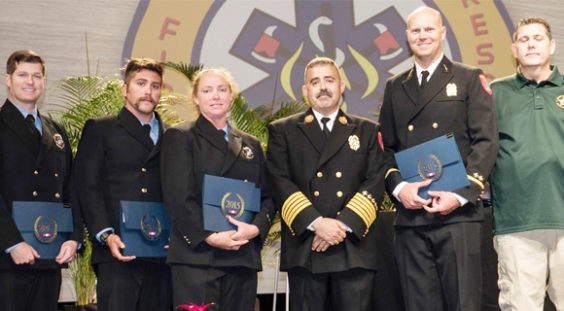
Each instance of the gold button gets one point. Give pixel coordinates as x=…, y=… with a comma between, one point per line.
x=144, y=190
x=319, y=174
x=339, y=194
x=35, y=172
x=56, y=175
x=34, y=193
x=316, y=193
x=57, y=195
x=338, y=174
x=144, y=170
x=435, y=125
x=410, y=127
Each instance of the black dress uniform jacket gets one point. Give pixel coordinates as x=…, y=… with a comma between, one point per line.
x=189, y=152
x=116, y=161
x=31, y=171
x=455, y=100
x=340, y=177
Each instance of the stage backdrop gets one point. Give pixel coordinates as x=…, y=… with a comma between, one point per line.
x=266, y=44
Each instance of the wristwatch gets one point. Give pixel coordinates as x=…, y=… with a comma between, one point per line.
x=104, y=237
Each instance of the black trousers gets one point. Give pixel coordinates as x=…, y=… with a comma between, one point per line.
x=230, y=289
x=440, y=266
x=133, y=286
x=346, y=290
x=29, y=289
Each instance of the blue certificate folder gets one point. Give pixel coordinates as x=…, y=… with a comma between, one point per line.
x=43, y=225
x=437, y=159
x=223, y=197
x=145, y=228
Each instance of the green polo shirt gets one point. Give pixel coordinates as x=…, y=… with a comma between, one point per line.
x=528, y=177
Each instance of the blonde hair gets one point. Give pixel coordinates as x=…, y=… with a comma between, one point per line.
x=222, y=72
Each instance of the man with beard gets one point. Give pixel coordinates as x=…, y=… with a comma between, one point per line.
x=326, y=174
x=118, y=159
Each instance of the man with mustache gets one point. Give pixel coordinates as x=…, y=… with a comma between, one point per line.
x=119, y=159
x=438, y=239
x=326, y=174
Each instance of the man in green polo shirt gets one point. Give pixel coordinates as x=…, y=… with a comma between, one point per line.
x=528, y=179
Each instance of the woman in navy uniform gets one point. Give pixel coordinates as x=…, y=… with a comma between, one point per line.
x=218, y=267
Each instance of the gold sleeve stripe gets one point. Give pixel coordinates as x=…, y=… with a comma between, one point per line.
x=390, y=171
x=476, y=181
x=362, y=206
x=293, y=205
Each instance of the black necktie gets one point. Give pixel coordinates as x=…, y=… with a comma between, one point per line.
x=33, y=130
x=325, y=128
x=424, y=75
x=147, y=128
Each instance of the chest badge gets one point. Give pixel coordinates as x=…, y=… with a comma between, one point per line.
x=451, y=89
x=354, y=142
x=58, y=139
x=560, y=101
x=247, y=153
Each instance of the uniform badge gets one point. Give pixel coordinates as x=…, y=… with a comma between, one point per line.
x=560, y=101
x=451, y=89
x=485, y=84
x=45, y=229
x=151, y=227
x=309, y=118
x=247, y=153
x=343, y=120
x=354, y=142
x=58, y=139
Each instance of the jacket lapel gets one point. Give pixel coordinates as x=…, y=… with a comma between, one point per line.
x=310, y=127
x=17, y=123
x=411, y=86
x=47, y=138
x=157, y=147
x=132, y=125
x=436, y=84
x=338, y=137
x=233, y=150
x=207, y=131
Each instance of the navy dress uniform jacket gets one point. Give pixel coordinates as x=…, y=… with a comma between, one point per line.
x=116, y=161
x=340, y=178
x=31, y=172
x=456, y=99
x=189, y=152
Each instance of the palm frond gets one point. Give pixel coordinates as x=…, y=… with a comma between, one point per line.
x=186, y=69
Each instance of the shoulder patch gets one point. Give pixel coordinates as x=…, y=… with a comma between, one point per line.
x=485, y=84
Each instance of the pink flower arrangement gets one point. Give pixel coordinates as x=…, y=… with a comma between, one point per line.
x=193, y=307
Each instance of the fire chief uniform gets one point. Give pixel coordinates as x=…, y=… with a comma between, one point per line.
x=31, y=170
x=456, y=99
x=117, y=160
x=340, y=177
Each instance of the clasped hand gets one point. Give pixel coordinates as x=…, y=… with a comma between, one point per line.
x=328, y=232
x=233, y=240
x=442, y=202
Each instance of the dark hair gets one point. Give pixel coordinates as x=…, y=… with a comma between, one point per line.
x=137, y=64
x=26, y=56
x=533, y=20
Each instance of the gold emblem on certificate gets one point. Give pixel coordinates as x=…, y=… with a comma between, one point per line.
x=354, y=142
x=451, y=89
x=430, y=167
x=45, y=229
x=151, y=227
x=232, y=204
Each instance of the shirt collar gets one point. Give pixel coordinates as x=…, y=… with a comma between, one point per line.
x=431, y=69
x=555, y=78
x=25, y=113
x=331, y=117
